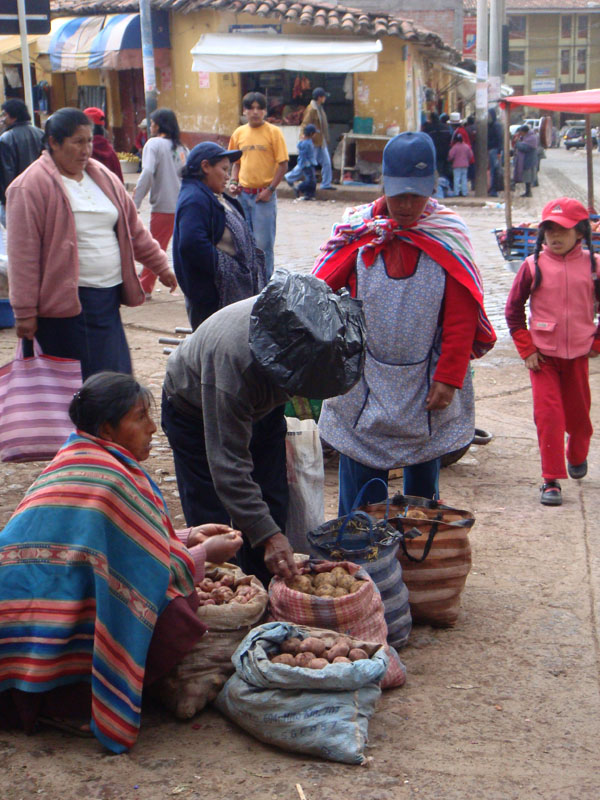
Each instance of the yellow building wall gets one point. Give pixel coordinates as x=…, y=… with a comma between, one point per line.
x=382, y=95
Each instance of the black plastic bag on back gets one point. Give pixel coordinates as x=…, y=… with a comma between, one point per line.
x=309, y=339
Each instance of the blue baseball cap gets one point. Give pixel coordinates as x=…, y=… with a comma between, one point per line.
x=310, y=128
x=409, y=165
x=207, y=150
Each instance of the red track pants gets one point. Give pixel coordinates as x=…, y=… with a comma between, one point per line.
x=561, y=403
x=161, y=227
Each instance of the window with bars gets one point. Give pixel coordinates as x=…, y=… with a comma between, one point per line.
x=565, y=62
x=581, y=62
x=517, y=27
x=516, y=62
x=582, y=26
x=566, y=27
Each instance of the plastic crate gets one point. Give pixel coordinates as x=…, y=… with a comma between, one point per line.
x=363, y=125
x=7, y=318
x=518, y=243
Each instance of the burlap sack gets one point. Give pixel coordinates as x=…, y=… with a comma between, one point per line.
x=360, y=614
x=199, y=677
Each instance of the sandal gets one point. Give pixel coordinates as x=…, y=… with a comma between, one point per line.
x=76, y=728
x=577, y=471
x=550, y=494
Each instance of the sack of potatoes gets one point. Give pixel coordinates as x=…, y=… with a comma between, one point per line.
x=336, y=582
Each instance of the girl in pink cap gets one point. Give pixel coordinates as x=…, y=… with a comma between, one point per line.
x=561, y=283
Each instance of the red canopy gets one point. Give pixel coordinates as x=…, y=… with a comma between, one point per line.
x=584, y=102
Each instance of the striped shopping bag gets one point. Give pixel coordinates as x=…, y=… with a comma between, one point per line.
x=34, y=404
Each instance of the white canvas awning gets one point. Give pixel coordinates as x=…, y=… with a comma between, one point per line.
x=234, y=52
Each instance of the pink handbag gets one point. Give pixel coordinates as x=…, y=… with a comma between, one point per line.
x=34, y=400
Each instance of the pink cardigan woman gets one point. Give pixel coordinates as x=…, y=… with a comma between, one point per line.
x=74, y=236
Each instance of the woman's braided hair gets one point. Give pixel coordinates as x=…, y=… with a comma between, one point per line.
x=584, y=227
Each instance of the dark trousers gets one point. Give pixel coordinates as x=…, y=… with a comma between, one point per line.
x=199, y=499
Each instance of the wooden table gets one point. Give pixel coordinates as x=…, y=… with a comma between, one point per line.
x=350, y=135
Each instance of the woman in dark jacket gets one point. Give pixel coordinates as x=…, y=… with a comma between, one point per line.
x=215, y=256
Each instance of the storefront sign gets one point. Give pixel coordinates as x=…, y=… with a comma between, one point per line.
x=469, y=37
x=204, y=80
x=543, y=85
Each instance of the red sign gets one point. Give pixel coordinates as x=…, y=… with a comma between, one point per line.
x=469, y=37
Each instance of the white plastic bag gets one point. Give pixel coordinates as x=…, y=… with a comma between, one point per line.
x=306, y=477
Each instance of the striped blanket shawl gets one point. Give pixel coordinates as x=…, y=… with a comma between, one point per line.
x=87, y=563
x=439, y=232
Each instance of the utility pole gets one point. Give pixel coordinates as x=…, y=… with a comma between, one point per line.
x=149, y=68
x=495, y=79
x=25, y=57
x=481, y=101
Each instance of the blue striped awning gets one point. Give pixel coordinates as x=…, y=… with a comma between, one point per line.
x=104, y=42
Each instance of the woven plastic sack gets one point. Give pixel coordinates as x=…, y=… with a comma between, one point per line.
x=435, y=554
x=306, y=481
x=201, y=674
x=35, y=394
x=322, y=712
x=360, y=614
x=374, y=545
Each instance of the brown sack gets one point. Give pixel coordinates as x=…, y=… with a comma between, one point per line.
x=199, y=677
x=435, y=564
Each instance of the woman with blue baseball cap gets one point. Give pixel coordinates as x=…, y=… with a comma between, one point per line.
x=215, y=257
x=410, y=260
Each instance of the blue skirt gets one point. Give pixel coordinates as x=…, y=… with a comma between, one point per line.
x=95, y=336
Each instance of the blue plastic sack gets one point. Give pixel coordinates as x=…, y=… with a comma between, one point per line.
x=321, y=712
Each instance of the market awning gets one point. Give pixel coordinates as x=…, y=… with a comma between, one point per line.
x=106, y=42
x=467, y=82
x=234, y=52
x=10, y=48
x=586, y=101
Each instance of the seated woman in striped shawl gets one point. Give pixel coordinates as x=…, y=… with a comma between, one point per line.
x=410, y=260
x=97, y=596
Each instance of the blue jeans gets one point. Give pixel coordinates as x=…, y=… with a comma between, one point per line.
x=293, y=174
x=262, y=219
x=420, y=480
x=460, y=181
x=324, y=160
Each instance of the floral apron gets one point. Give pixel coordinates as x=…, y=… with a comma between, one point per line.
x=382, y=422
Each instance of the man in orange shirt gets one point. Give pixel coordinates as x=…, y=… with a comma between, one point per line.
x=255, y=177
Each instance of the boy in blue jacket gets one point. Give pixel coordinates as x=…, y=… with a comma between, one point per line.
x=305, y=166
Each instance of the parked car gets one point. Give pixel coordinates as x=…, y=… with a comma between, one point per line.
x=575, y=137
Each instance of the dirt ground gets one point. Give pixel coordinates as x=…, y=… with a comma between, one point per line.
x=505, y=705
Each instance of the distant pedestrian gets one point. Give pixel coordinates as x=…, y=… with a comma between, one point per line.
x=305, y=166
x=20, y=145
x=256, y=176
x=440, y=134
x=163, y=159
x=315, y=115
x=141, y=137
x=495, y=146
x=526, y=158
x=460, y=156
x=563, y=334
x=102, y=149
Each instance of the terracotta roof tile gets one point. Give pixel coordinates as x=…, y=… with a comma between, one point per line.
x=322, y=15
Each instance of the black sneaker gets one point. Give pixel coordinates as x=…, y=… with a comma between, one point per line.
x=577, y=471
x=330, y=188
x=550, y=494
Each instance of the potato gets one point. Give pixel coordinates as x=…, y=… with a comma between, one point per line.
x=416, y=513
x=356, y=654
x=337, y=650
x=304, y=659
x=301, y=583
x=355, y=586
x=338, y=591
x=339, y=572
x=345, y=581
x=323, y=577
x=227, y=580
x=312, y=645
x=318, y=663
x=341, y=660
x=291, y=645
x=326, y=590
x=284, y=658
